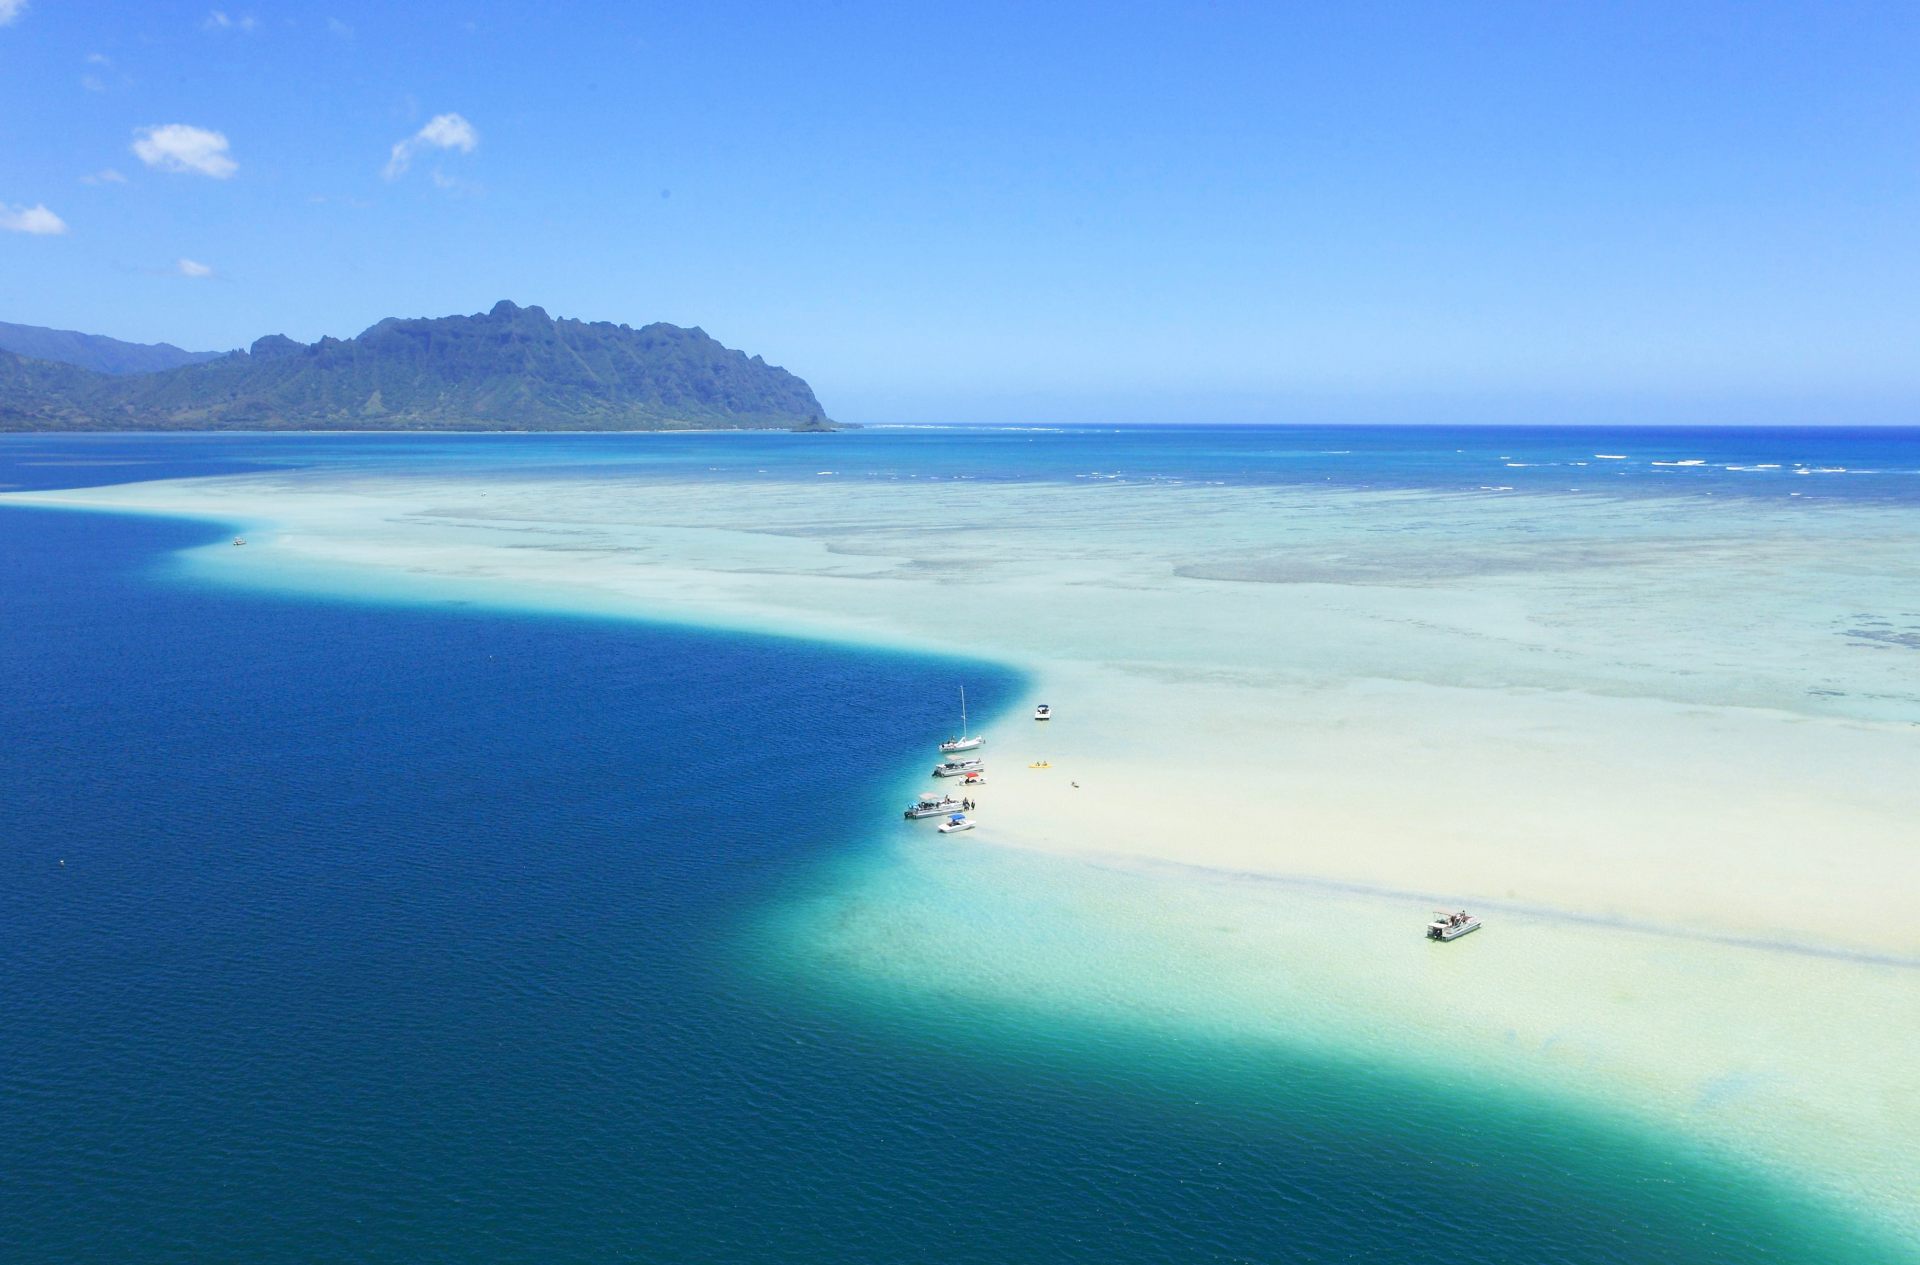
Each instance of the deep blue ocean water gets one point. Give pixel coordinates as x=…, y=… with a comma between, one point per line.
x=333, y=931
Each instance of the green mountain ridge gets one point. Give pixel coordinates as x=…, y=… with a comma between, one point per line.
x=511, y=368
x=95, y=351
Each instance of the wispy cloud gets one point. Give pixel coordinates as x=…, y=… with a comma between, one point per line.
x=179, y=147
x=35, y=219
x=193, y=268
x=342, y=29
x=454, y=184
x=10, y=10
x=443, y=131
x=105, y=176
x=218, y=21
x=101, y=77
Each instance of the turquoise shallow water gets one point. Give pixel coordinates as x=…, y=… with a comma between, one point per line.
x=338, y=931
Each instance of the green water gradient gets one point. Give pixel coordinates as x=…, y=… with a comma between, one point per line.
x=1248, y=1141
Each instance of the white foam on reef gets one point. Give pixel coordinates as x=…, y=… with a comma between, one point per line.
x=1630, y=733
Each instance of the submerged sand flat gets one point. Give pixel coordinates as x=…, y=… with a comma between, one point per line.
x=1669, y=748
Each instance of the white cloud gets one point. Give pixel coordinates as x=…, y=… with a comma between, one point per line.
x=11, y=9
x=194, y=268
x=443, y=131
x=218, y=21
x=34, y=219
x=106, y=176
x=342, y=29
x=178, y=147
x=97, y=59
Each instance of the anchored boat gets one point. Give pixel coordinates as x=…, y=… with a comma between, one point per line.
x=1451, y=926
x=1043, y=712
x=959, y=768
x=955, y=823
x=933, y=805
x=963, y=742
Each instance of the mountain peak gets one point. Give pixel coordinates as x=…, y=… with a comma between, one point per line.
x=508, y=310
x=274, y=345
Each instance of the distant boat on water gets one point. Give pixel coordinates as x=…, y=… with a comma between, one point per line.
x=1451, y=926
x=963, y=742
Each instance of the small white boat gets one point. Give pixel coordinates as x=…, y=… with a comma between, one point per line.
x=963, y=742
x=956, y=823
x=932, y=805
x=959, y=768
x=1043, y=712
x=239, y=540
x=1451, y=926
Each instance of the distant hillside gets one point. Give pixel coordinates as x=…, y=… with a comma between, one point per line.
x=96, y=351
x=36, y=394
x=511, y=368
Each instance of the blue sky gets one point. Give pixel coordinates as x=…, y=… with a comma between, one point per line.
x=1212, y=212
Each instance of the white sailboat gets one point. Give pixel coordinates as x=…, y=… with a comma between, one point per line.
x=963, y=742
